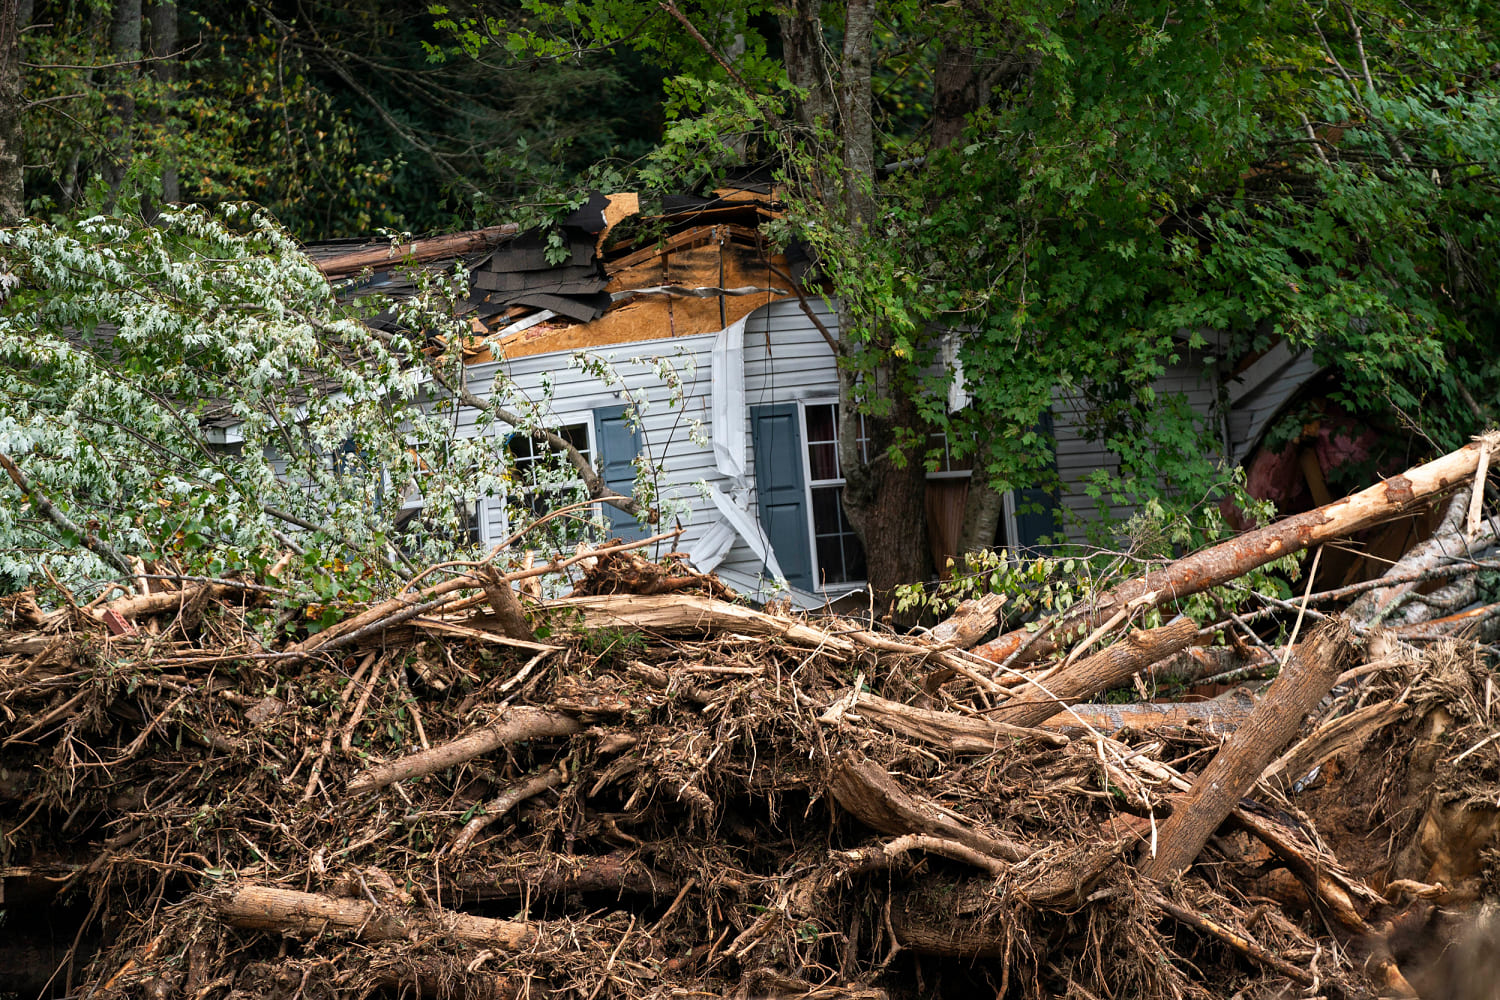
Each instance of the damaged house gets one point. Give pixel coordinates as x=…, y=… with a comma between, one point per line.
x=743, y=455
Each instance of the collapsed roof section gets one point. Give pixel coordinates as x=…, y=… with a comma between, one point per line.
x=697, y=268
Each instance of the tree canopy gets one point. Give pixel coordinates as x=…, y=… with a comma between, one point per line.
x=1082, y=191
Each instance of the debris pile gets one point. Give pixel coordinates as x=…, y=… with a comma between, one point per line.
x=646, y=789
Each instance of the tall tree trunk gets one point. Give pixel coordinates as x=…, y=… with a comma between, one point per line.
x=802, y=51
x=955, y=92
x=982, y=510
x=884, y=497
x=887, y=505
x=125, y=47
x=164, y=69
x=12, y=160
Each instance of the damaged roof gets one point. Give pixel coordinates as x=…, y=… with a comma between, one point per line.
x=701, y=266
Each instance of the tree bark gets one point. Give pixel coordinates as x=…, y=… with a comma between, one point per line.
x=262, y=907
x=164, y=69
x=1308, y=676
x=802, y=52
x=12, y=156
x=125, y=46
x=1239, y=555
x=1106, y=669
x=886, y=503
x=506, y=605
x=955, y=92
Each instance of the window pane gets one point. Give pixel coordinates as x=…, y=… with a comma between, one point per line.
x=854, y=558
x=823, y=460
x=828, y=516
x=831, y=560
x=821, y=424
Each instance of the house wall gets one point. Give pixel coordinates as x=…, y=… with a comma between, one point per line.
x=1258, y=394
x=1191, y=375
x=786, y=360
x=665, y=431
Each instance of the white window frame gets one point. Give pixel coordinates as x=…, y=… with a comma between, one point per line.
x=1008, y=509
x=845, y=586
x=591, y=453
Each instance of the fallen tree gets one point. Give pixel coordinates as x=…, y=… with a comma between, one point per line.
x=1239, y=555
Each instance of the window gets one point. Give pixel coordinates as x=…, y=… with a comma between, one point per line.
x=840, y=557
x=543, y=475
x=948, y=466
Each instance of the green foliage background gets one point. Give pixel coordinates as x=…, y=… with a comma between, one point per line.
x=1135, y=181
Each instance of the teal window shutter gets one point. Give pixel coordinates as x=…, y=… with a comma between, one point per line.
x=781, y=489
x=618, y=445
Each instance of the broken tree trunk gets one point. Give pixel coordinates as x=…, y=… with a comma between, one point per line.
x=967, y=625
x=1449, y=541
x=506, y=605
x=387, y=255
x=262, y=907
x=1307, y=677
x=1239, y=555
x=515, y=724
x=1036, y=702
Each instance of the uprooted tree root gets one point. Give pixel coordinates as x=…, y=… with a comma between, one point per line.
x=694, y=808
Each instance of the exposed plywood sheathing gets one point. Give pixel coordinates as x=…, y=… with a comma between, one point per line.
x=699, y=259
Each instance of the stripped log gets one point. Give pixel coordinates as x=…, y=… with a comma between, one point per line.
x=267, y=908
x=690, y=613
x=957, y=733
x=153, y=604
x=871, y=795
x=515, y=724
x=1220, y=715
x=1035, y=701
x=1309, y=674
x=1239, y=555
x=969, y=622
x=387, y=255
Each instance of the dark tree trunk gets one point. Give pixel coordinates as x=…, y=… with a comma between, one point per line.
x=164, y=69
x=955, y=93
x=802, y=50
x=886, y=500
x=125, y=47
x=12, y=160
